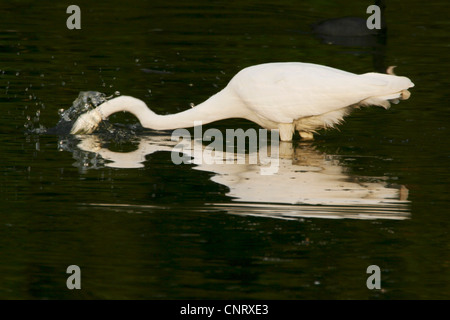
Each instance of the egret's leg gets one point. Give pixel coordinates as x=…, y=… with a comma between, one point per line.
x=306, y=135
x=390, y=70
x=286, y=131
x=405, y=94
x=286, y=150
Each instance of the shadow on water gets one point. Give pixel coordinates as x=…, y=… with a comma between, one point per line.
x=353, y=32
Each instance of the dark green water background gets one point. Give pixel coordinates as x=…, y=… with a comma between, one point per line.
x=164, y=241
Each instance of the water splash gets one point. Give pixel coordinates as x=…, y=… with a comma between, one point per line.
x=84, y=160
x=86, y=101
x=32, y=124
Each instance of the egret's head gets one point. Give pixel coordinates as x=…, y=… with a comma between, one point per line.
x=87, y=122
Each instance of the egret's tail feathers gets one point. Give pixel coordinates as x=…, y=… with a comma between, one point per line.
x=376, y=101
x=392, y=88
x=385, y=101
x=87, y=122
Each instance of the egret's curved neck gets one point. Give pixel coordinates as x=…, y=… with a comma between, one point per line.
x=222, y=105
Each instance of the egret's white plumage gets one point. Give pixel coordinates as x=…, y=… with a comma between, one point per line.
x=286, y=96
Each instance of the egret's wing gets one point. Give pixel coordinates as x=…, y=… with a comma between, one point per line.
x=283, y=92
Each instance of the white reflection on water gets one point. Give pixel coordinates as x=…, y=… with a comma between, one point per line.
x=308, y=183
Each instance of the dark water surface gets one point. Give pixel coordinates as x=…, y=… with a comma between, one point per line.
x=374, y=192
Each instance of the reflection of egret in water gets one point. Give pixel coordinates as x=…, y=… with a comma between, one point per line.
x=308, y=183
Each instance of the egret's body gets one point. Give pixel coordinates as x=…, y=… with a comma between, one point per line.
x=286, y=96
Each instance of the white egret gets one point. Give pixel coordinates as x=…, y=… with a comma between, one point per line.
x=287, y=96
